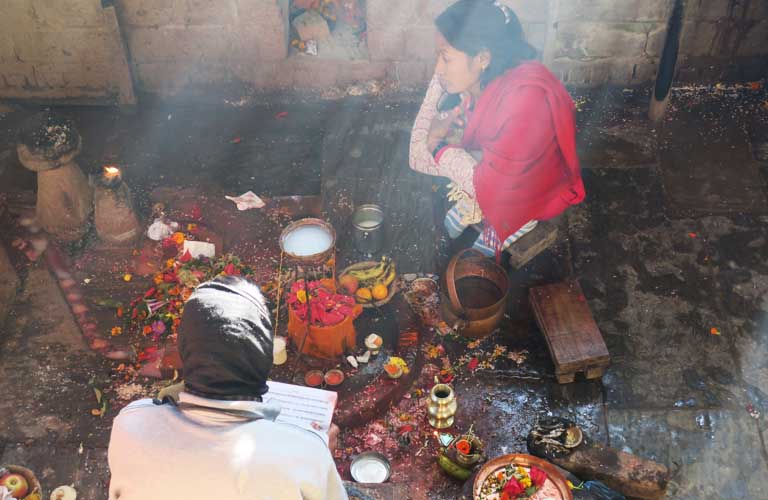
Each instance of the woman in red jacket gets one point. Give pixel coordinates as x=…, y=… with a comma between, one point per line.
x=515, y=161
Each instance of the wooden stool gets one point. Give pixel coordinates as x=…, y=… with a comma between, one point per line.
x=572, y=336
x=532, y=244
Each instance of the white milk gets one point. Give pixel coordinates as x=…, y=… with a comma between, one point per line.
x=307, y=240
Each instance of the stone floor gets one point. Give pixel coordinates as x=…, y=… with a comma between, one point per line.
x=665, y=251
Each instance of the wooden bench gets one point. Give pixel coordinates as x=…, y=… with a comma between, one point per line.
x=572, y=335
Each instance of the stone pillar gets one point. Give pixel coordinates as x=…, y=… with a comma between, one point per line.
x=48, y=145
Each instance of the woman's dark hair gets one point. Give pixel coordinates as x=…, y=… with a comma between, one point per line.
x=472, y=26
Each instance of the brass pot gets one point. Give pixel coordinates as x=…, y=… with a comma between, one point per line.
x=471, y=459
x=441, y=408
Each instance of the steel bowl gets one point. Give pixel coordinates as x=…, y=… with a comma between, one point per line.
x=370, y=467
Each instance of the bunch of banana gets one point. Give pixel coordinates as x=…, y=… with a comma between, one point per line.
x=382, y=273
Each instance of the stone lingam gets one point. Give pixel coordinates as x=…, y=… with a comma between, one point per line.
x=115, y=218
x=48, y=144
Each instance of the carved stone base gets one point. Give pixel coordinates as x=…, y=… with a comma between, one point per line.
x=114, y=217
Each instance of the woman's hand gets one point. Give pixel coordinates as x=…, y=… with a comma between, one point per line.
x=444, y=124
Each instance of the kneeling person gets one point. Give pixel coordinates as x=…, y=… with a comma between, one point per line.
x=219, y=440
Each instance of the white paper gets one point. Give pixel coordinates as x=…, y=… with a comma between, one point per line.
x=159, y=229
x=246, y=201
x=198, y=249
x=306, y=407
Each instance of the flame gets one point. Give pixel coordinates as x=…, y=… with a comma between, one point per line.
x=111, y=171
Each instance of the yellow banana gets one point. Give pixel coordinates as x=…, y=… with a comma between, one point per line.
x=388, y=277
x=371, y=282
x=372, y=272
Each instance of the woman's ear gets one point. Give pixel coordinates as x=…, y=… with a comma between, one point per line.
x=483, y=59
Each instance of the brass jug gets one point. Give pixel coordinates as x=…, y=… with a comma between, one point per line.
x=441, y=407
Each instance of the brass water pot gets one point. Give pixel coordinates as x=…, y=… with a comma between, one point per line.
x=441, y=407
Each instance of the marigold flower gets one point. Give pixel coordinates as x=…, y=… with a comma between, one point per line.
x=464, y=447
x=116, y=331
x=127, y=277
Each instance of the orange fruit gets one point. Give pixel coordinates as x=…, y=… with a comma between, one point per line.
x=393, y=371
x=349, y=283
x=364, y=295
x=380, y=292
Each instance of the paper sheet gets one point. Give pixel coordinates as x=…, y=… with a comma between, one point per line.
x=306, y=407
x=247, y=201
x=198, y=249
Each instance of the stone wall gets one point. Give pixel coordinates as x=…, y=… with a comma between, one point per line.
x=71, y=48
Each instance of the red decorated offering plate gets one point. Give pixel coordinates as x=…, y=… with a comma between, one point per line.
x=513, y=477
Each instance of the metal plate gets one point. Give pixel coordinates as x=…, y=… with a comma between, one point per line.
x=370, y=467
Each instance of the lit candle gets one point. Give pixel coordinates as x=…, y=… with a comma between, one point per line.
x=279, y=354
x=111, y=175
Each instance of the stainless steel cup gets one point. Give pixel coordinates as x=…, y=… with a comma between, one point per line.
x=368, y=221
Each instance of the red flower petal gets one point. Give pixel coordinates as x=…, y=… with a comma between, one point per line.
x=513, y=488
x=472, y=365
x=538, y=477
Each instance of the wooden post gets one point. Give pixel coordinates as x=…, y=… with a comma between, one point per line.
x=668, y=63
x=628, y=474
x=124, y=74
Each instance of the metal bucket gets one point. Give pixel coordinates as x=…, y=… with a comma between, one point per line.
x=368, y=221
x=474, y=297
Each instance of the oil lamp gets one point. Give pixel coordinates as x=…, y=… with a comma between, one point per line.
x=111, y=176
x=115, y=218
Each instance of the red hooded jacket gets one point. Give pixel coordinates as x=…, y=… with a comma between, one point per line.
x=524, y=123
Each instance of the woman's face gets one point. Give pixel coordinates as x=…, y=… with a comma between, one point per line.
x=458, y=72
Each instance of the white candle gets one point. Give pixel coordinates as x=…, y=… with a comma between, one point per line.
x=279, y=353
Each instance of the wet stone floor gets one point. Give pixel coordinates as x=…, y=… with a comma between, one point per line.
x=670, y=248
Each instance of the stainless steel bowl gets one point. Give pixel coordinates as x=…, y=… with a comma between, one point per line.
x=370, y=467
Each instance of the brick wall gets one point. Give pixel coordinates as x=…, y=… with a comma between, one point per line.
x=60, y=48
x=68, y=48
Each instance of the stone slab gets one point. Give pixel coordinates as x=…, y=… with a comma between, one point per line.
x=710, y=170
x=695, y=443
